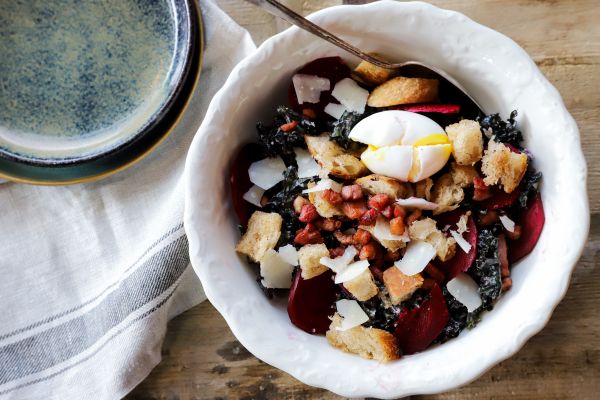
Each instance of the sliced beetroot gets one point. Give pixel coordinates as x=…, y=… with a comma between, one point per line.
x=312, y=302
x=531, y=221
x=461, y=262
x=430, y=108
x=418, y=328
x=332, y=68
x=240, y=181
x=500, y=199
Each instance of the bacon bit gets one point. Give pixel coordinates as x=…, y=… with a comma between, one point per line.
x=308, y=213
x=264, y=200
x=506, y=284
x=308, y=235
x=289, y=126
x=309, y=113
x=369, y=217
x=334, y=198
x=299, y=202
x=516, y=234
x=354, y=209
x=397, y=226
x=503, y=256
x=336, y=252
x=377, y=272
x=415, y=215
x=379, y=201
x=328, y=224
x=343, y=238
x=482, y=191
x=391, y=256
x=352, y=192
x=489, y=218
x=362, y=237
x=388, y=212
x=367, y=252
x=435, y=274
x=399, y=211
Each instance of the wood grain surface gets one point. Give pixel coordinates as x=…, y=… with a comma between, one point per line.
x=203, y=360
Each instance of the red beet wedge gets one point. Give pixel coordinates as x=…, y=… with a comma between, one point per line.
x=430, y=108
x=311, y=302
x=461, y=262
x=531, y=221
x=500, y=199
x=332, y=68
x=240, y=181
x=418, y=328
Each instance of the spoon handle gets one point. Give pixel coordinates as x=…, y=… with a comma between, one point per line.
x=279, y=10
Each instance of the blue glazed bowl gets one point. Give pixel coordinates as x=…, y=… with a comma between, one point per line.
x=83, y=79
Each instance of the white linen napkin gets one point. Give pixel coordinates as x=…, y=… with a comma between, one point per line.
x=92, y=273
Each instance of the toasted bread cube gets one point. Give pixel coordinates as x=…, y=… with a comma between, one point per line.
x=375, y=184
x=369, y=343
x=402, y=90
x=426, y=230
x=501, y=165
x=446, y=194
x=334, y=158
x=371, y=74
x=423, y=189
x=463, y=175
x=399, y=286
x=363, y=286
x=262, y=235
x=467, y=141
x=324, y=208
x=309, y=256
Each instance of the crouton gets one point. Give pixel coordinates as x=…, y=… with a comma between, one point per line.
x=501, y=165
x=262, y=235
x=371, y=74
x=399, y=286
x=463, y=175
x=446, y=194
x=363, y=286
x=461, y=225
x=391, y=245
x=467, y=141
x=334, y=158
x=375, y=184
x=309, y=256
x=426, y=230
x=402, y=90
x=324, y=208
x=370, y=343
x=423, y=189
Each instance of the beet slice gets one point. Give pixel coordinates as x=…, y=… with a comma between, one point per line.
x=532, y=221
x=332, y=68
x=418, y=328
x=430, y=108
x=461, y=262
x=500, y=199
x=240, y=181
x=312, y=302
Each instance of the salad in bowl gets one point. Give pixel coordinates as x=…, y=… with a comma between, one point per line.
x=386, y=209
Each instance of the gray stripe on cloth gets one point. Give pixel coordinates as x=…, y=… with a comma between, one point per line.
x=62, y=342
x=80, y=306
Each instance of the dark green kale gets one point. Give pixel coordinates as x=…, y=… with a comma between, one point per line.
x=281, y=199
x=503, y=131
x=341, y=128
x=276, y=142
x=379, y=316
x=486, y=269
x=528, y=186
x=460, y=318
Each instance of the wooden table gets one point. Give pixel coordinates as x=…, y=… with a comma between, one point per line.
x=203, y=360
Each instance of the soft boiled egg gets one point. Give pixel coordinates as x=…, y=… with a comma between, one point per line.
x=402, y=145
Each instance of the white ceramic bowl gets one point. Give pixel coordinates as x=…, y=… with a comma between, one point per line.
x=501, y=76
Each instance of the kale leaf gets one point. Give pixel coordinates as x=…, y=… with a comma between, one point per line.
x=503, y=131
x=379, y=316
x=458, y=318
x=486, y=270
x=342, y=127
x=529, y=186
x=276, y=142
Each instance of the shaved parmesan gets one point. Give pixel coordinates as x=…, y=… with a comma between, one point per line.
x=324, y=184
x=335, y=110
x=416, y=202
x=352, y=96
x=464, y=245
x=351, y=313
x=307, y=166
x=461, y=225
x=351, y=271
x=309, y=87
x=464, y=289
x=266, y=173
x=289, y=254
x=382, y=231
x=417, y=256
x=275, y=271
x=340, y=263
x=253, y=195
x=508, y=223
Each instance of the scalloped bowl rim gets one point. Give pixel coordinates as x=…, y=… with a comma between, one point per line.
x=261, y=325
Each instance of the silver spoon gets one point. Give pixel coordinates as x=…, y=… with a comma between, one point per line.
x=413, y=67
